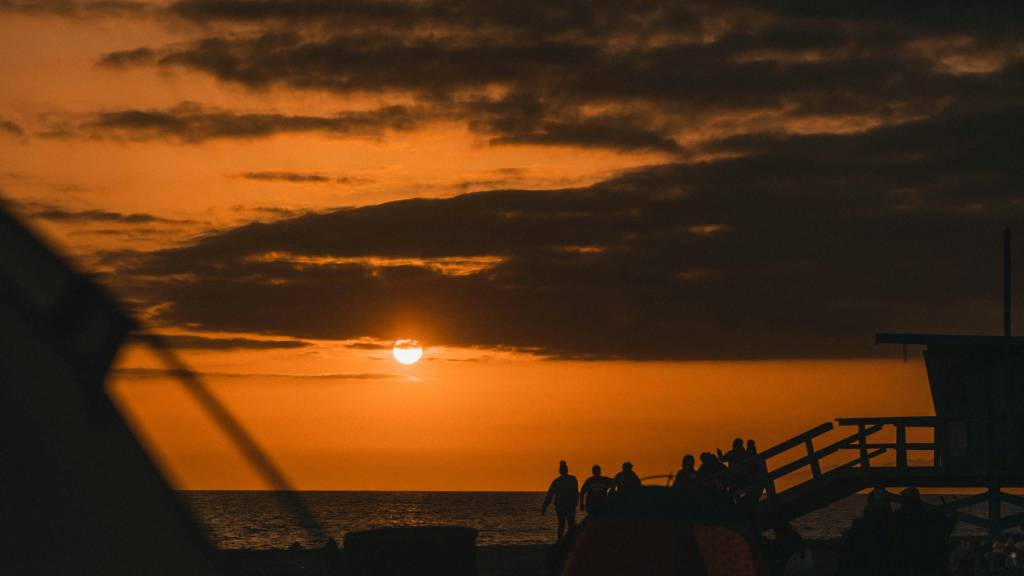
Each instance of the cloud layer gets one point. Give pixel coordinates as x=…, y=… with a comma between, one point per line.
x=193, y=123
x=627, y=76
x=785, y=246
x=828, y=171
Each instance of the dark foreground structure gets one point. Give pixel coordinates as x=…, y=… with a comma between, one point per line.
x=78, y=494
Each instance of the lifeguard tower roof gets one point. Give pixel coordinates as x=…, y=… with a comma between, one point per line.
x=951, y=340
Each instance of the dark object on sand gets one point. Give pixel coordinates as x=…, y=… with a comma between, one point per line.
x=659, y=531
x=426, y=550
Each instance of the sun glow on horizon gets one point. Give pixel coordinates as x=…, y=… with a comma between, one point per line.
x=407, y=351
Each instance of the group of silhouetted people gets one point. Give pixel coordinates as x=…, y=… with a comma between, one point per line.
x=566, y=493
x=913, y=539
x=735, y=473
x=738, y=472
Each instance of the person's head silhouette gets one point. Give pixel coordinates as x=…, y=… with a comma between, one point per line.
x=596, y=470
x=627, y=466
x=751, y=446
x=911, y=495
x=688, y=462
x=563, y=468
x=737, y=444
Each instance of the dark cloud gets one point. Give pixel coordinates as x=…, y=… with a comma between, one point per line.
x=193, y=342
x=302, y=178
x=597, y=20
x=128, y=58
x=784, y=247
x=600, y=132
x=629, y=76
x=280, y=176
x=11, y=128
x=272, y=211
x=523, y=119
x=103, y=216
x=76, y=9
x=192, y=123
x=353, y=180
x=157, y=373
x=370, y=345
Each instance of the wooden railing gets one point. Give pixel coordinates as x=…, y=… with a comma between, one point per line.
x=860, y=441
x=900, y=446
x=951, y=464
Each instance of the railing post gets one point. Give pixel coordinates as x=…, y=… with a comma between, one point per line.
x=939, y=435
x=862, y=442
x=815, y=466
x=901, y=445
x=995, y=515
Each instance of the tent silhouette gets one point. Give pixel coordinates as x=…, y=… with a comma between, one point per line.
x=79, y=493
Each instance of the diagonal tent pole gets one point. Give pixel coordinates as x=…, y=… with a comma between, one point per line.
x=222, y=417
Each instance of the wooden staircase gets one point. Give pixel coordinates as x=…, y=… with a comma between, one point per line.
x=817, y=486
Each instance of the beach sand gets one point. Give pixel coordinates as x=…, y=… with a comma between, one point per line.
x=512, y=560
x=524, y=560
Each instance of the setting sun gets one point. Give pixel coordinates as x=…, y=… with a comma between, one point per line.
x=407, y=351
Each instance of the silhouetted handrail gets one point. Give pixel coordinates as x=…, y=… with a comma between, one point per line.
x=756, y=466
x=821, y=453
x=796, y=441
x=668, y=477
x=910, y=421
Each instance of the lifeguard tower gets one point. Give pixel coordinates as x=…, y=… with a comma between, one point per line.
x=977, y=387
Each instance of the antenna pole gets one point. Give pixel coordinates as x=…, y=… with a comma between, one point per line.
x=995, y=454
x=1007, y=286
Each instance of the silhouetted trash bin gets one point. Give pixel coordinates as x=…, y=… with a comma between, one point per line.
x=421, y=550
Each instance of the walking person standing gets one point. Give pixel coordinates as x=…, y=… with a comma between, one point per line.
x=626, y=481
x=565, y=491
x=686, y=478
x=594, y=490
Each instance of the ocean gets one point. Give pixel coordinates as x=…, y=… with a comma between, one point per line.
x=253, y=519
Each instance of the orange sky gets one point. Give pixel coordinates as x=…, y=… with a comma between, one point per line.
x=466, y=420
x=338, y=416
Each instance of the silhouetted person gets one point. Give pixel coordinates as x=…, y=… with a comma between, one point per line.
x=710, y=469
x=595, y=490
x=879, y=505
x=922, y=534
x=735, y=456
x=787, y=544
x=565, y=491
x=735, y=459
x=869, y=545
x=626, y=481
x=686, y=478
x=910, y=523
x=755, y=474
x=751, y=454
